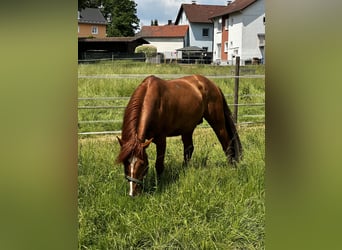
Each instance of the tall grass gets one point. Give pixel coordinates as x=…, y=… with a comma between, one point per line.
x=206, y=205
x=251, y=90
x=130, y=67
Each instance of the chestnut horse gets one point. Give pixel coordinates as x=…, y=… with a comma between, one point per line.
x=159, y=109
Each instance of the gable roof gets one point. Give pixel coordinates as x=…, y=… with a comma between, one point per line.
x=235, y=6
x=91, y=15
x=163, y=31
x=198, y=13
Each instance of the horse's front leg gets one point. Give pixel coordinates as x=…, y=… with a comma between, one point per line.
x=161, y=147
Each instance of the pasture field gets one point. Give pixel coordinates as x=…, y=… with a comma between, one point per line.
x=205, y=205
x=252, y=90
x=130, y=67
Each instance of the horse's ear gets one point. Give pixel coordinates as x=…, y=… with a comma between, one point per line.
x=120, y=141
x=147, y=143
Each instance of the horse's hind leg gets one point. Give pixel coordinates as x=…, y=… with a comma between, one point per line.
x=188, y=146
x=161, y=147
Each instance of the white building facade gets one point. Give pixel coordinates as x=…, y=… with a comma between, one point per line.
x=200, y=34
x=167, y=46
x=246, y=34
x=167, y=39
x=201, y=27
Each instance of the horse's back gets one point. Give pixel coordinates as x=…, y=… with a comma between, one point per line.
x=196, y=80
x=176, y=106
x=185, y=92
x=199, y=81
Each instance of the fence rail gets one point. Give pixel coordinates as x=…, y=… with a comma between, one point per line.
x=122, y=107
x=119, y=121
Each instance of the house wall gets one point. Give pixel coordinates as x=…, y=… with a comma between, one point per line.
x=244, y=28
x=220, y=52
x=224, y=37
x=217, y=42
x=252, y=26
x=85, y=30
x=235, y=36
x=168, y=46
x=197, y=38
x=183, y=20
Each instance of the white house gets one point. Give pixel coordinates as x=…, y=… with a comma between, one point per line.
x=167, y=39
x=200, y=26
x=245, y=23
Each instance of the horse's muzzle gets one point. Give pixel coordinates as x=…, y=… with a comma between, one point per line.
x=134, y=185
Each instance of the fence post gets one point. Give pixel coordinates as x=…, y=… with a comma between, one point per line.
x=236, y=88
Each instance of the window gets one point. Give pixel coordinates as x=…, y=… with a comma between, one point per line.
x=226, y=23
x=205, y=32
x=219, y=28
x=226, y=47
x=218, y=51
x=94, y=30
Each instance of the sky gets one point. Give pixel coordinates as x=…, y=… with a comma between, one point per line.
x=164, y=10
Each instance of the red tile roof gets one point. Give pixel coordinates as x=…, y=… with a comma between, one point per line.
x=235, y=6
x=163, y=31
x=198, y=13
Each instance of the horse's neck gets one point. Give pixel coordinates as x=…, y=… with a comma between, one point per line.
x=145, y=116
x=142, y=125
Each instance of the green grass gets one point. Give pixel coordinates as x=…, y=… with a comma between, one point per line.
x=207, y=205
x=130, y=67
x=125, y=87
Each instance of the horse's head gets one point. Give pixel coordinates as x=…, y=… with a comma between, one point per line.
x=135, y=165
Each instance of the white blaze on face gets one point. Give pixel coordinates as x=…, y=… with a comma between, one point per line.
x=131, y=188
x=132, y=162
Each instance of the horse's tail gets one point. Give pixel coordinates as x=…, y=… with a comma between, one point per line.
x=234, y=150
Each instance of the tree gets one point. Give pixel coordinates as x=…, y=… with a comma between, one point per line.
x=122, y=14
x=87, y=4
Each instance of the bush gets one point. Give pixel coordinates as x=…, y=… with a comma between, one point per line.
x=148, y=50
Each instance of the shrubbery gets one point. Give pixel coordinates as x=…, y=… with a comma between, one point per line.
x=149, y=51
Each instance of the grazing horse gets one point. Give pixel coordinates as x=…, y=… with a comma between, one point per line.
x=159, y=109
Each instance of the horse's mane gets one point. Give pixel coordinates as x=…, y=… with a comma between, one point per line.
x=130, y=123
